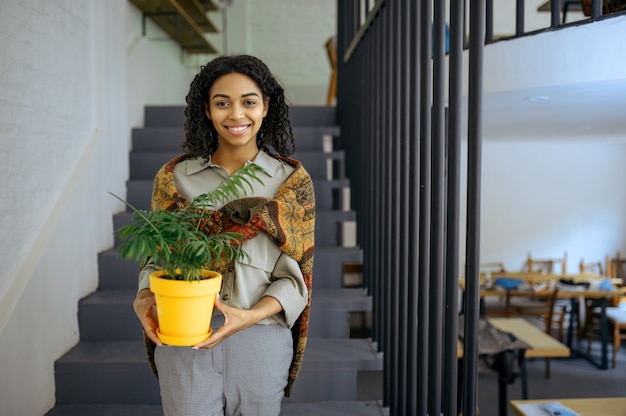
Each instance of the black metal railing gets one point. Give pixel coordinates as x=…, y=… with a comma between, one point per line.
x=403, y=147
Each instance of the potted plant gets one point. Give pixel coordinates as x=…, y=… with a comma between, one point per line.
x=180, y=243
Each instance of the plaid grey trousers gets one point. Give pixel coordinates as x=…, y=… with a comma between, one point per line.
x=245, y=375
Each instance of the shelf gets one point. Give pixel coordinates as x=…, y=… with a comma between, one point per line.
x=186, y=21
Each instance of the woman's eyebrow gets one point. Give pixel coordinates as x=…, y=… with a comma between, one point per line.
x=250, y=94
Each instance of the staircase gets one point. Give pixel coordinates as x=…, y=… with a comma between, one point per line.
x=107, y=373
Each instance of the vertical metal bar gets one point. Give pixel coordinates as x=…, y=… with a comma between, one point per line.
x=402, y=192
x=519, y=17
x=425, y=191
x=377, y=205
x=475, y=81
x=489, y=21
x=450, y=393
x=596, y=8
x=435, y=320
x=555, y=12
x=384, y=213
x=415, y=391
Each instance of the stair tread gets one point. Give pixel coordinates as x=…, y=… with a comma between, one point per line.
x=106, y=410
x=321, y=296
x=329, y=408
x=336, y=353
x=106, y=352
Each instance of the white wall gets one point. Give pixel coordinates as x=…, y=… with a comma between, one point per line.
x=550, y=197
x=289, y=36
x=75, y=78
x=63, y=144
x=158, y=72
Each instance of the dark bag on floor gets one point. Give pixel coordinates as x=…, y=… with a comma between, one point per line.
x=499, y=351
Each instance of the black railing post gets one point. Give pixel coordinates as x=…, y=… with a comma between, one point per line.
x=416, y=392
x=438, y=201
x=489, y=21
x=519, y=17
x=425, y=195
x=555, y=12
x=455, y=93
x=596, y=8
x=474, y=150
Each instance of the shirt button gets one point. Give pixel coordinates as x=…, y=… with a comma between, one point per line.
x=225, y=297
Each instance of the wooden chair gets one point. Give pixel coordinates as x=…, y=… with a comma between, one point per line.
x=546, y=311
x=492, y=305
x=616, y=267
x=331, y=50
x=615, y=314
x=547, y=265
x=591, y=268
x=534, y=308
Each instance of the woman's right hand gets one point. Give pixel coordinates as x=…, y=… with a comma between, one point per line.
x=145, y=308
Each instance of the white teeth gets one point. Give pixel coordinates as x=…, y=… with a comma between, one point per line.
x=238, y=129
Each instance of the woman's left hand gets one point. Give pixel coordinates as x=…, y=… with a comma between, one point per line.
x=236, y=319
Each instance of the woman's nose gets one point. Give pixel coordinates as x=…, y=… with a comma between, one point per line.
x=236, y=112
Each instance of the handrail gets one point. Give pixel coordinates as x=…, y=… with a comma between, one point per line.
x=359, y=35
x=556, y=7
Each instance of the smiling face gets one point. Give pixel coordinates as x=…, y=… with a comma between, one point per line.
x=236, y=107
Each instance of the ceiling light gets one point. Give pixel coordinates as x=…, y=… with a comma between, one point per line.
x=537, y=98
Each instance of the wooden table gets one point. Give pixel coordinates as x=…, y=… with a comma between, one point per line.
x=609, y=406
x=540, y=345
x=603, y=298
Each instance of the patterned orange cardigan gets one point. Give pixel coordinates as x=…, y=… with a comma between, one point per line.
x=289, y=221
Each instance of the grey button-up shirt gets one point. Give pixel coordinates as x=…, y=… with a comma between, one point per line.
x=267, y=271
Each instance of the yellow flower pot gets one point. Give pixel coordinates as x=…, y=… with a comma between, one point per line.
x=185, y=307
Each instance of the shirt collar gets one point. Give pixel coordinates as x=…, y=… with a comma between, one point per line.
x=262, y=159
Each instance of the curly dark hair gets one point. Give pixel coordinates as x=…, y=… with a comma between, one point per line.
x=201, y=139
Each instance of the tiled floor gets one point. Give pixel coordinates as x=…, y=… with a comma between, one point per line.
x=570, y=378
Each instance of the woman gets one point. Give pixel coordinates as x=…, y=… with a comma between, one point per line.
x=237, y=114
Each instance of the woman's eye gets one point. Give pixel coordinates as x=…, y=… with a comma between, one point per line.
x=221, y=104
x=250, y=102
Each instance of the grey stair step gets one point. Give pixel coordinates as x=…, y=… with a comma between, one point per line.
x=334, y=408
x=144, y=165
x=327, y=193
x=115, y=372
x=164, y=116
x=327, y=225
x=331, y=367
x=106, y=372
x=329, y=264
x=109, y=315
x=313, y=115
x=289, y=408
x=115, y=273
x=151, y=139
x=173, y=116
x=331, y=309
x=106, y=410
x=336, y=353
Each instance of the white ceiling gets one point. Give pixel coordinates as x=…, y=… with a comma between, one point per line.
x=590, y=110
x=557, y=84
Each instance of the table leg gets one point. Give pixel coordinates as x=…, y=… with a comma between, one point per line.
x=572, y=319
x=523, y=375
x=604, y=335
